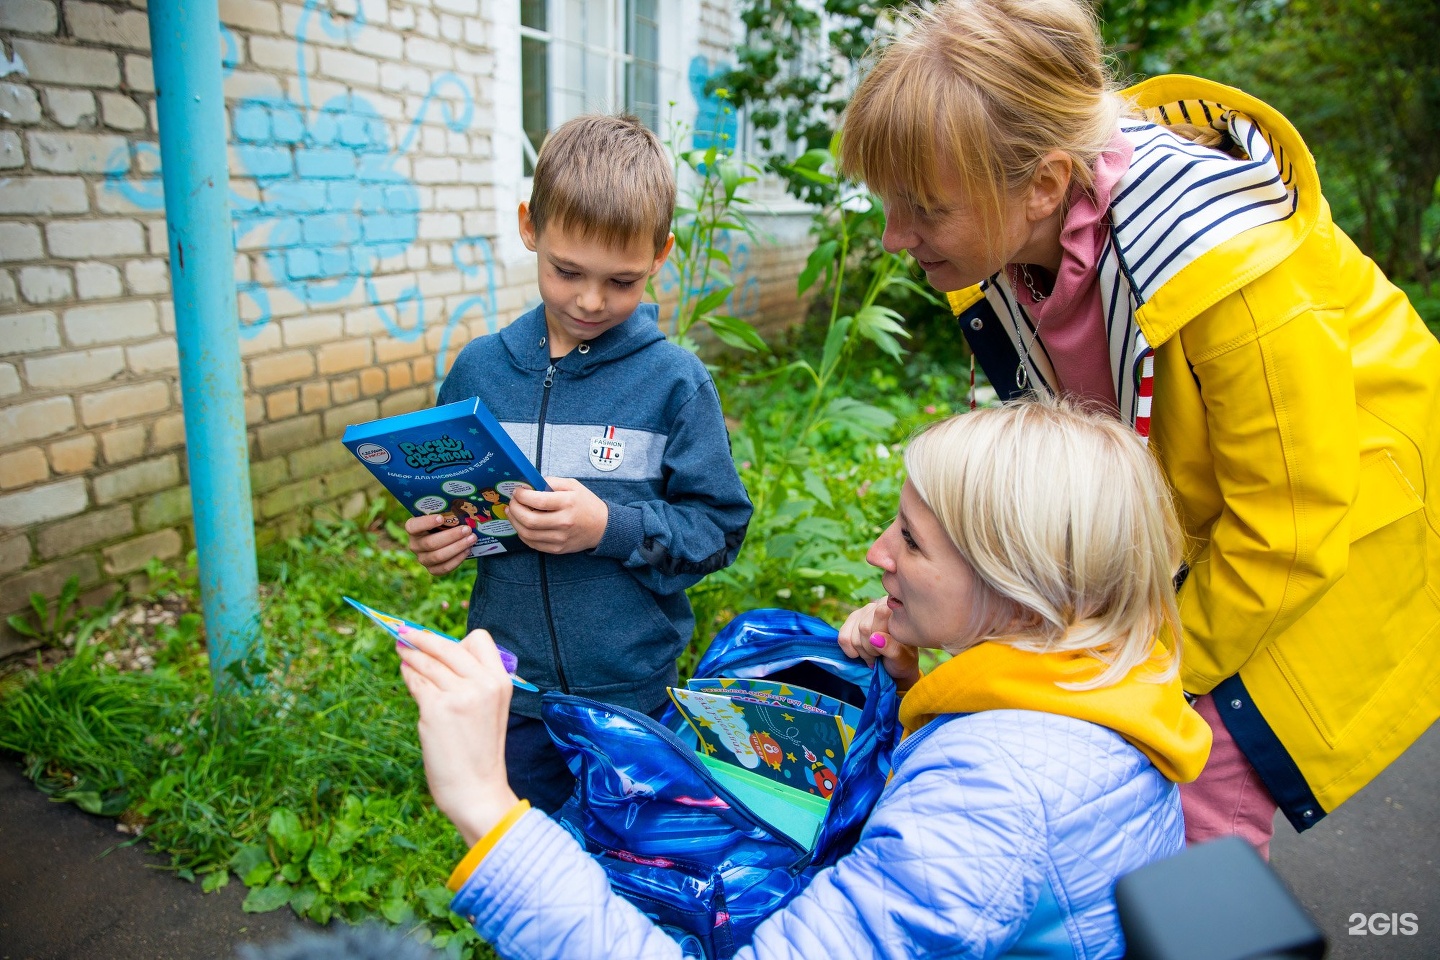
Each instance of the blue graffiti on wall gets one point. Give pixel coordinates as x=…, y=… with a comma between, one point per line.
x=744, y=299
x=715, y=121
x=332, y=205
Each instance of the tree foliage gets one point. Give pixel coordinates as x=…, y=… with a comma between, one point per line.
x=1360, y=79
x=798, y=61
x=801, y=59
x=1140, y=34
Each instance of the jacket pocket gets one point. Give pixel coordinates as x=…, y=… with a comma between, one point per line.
x=612, y=633
x=1353, y=660
x=478, y=600
x=1382, y=496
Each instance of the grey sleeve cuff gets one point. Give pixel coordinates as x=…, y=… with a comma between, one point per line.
x=624, y=531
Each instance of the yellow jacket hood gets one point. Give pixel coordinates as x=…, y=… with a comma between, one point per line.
x=1220, y=271
x=1153, y=716
x=1189, y=226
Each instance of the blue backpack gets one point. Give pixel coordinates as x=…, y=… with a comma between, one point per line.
x=679, y=845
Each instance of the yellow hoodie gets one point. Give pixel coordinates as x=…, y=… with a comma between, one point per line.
x=1152, y=716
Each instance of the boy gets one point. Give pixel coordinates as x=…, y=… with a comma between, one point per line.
x=627, y=429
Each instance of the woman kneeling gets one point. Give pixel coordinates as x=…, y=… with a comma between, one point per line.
x=1036, y=544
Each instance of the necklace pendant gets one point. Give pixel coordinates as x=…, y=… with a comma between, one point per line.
x=1022, y=377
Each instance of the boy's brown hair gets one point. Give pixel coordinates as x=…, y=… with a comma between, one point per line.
x=605, y=177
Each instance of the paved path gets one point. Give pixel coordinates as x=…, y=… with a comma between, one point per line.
x=1379, y=853
x=66, y=893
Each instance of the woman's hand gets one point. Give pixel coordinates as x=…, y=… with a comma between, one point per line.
x=439, y=549
x=463, y=693
x=866, y=635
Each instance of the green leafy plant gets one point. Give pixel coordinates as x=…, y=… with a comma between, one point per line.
x=1322, y=62
x=816, y=457
x=871, y=321
x=309, y=788
x=709, y=207
x=53, y=625
x=793, y=73
x=1426, y=301
x=320, y=871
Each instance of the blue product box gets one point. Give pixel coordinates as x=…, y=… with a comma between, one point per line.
x=456, y=461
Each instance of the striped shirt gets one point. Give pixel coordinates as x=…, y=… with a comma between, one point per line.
x=1177, y=202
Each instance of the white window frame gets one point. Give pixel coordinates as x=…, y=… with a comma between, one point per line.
x=677, y=42
x=607, y=62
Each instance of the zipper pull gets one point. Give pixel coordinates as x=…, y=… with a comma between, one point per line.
x=549, y=376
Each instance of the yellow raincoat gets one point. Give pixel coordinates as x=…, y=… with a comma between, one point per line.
x=1296, y=415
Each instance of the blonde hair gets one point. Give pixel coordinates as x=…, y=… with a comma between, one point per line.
x=984, y=88
x=1064, y=519
x=607, y=178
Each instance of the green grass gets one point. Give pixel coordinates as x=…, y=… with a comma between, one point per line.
x=308, y=786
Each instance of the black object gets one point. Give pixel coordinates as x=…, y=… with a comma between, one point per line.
x=1215, y=901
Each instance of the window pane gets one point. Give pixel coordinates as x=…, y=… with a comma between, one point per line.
x=534, y=93
x=532, y=14
x=643, y=93
x=570, y=103
x=599, y=81
x=583, y=25
x=567, y=81
x=642, y=74
x=644, y=11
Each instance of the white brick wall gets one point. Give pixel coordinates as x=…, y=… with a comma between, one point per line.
x=82, y=239
x=101, y=24
x=111, y=323
x=68, y=65
x=27, y=332
x=28, y=16
x=19, y=241
x=43, y=196
x=357, y=188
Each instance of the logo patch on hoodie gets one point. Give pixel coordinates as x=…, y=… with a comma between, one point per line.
x=606, y=451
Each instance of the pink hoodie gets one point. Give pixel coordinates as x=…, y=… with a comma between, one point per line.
x=1069, y=320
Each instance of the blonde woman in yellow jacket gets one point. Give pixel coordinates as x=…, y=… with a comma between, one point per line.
x=1166, y=253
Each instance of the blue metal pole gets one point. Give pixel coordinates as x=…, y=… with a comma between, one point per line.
x=185, y=42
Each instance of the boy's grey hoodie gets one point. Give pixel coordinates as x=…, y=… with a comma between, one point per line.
x=607, y=623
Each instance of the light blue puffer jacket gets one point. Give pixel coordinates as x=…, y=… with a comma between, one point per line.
x=1001, y=834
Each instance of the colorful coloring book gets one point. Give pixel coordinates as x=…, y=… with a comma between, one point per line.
x=786, y=694
x=392, y=624
x=787, y=744
x=455, y=460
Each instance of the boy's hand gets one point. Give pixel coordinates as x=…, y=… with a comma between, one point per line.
x=439, y=549
x=566, y=519
x=866, y=635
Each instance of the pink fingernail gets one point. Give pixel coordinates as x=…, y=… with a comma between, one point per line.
x=877, y=640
